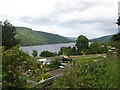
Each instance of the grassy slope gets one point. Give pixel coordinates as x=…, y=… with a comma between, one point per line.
x=30, y=37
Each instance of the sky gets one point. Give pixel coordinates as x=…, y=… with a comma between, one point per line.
x=69, y=18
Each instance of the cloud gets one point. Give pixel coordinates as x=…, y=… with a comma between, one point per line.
x=92, y=18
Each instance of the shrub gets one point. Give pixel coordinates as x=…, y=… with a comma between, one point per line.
x=55, y=63
x=47, y=54
x=89, y=74
x=15, y=63
x=96, y=47
x=43, y=77
x=35, y=53
x=65, y=51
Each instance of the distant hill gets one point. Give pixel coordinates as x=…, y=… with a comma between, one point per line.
x=73, y=39
x=104, y=39
x=29, y=37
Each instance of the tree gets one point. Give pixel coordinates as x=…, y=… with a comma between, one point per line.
x=47, y=54
x=55, y=63
x=116, y=38
x=65, y=50
x=74, y=51
x=82, y=43
x=118, y=21
x=35, y=53
x=8, y=35
x=95, y=47
x=15, y=64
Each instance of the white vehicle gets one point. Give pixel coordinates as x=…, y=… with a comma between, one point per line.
x=44, y=61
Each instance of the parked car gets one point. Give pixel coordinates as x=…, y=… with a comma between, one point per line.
x=66, y=59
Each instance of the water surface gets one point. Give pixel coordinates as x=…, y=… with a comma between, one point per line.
x=49, y=47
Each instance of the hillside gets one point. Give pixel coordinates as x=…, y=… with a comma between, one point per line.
x=29, y=37
x=104, y=39
x=73, y=39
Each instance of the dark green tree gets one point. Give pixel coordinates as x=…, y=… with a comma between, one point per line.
x=8, y=35
x=95, y=47
x=62, y=50
x=48, y=54
x=65, y=50
x=118, y=21
x=74, y=51
x=35, y=53
x=116, y=38
x=82, y=44
x=55, y=63
x=15, y=64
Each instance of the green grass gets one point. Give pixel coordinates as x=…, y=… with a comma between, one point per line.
x=91, y=55
x=77, y=58
x=92, y=58
x=90, y=74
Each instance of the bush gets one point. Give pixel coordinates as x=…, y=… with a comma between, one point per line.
x=35, y=53
x=90, y=74
x=96, y=47
x=55, y=63
x=43, y=77
x=15, y=63
x=48, y=54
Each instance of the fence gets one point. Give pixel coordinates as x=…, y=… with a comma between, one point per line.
x=47, y=83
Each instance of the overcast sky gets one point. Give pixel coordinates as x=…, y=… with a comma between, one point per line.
x=70, y=18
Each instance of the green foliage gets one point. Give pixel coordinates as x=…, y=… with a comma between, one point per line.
x=8, y=35
x=115, y=40
x=82, y=43
x=96, y=48
x=116, y=37
x=74, y=51
x=48, y=54
x=83, y=47
x=29, y=37
x=55, y=63
x=1, y=66
x=35, y=53
x=65, y=50
x=43, y=77
x=90, y=74
x=118, y=21
x=15, y=63
x=68, y=51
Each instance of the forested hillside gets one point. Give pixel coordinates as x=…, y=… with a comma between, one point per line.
x=30, y=37
x=104, y=39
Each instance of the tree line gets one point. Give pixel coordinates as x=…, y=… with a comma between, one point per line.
x=82, y=47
